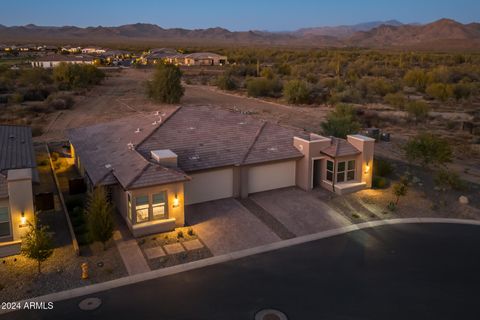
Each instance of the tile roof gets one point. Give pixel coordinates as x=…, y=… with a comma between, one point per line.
x=340, y=148
x=201, y=137
x=16, y=148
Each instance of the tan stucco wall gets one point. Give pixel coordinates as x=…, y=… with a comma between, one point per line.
x=209, y=185
x=366, y=145
x=271, y=176
x=20, y=199
x=5, y=204
x=310, y=150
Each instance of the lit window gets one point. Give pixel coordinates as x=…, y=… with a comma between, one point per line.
x=4, y=222
x=330, y=170
x=159, y=205
x=351, y=170
x=141, y=207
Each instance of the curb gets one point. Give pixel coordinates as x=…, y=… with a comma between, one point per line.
x=90, y=289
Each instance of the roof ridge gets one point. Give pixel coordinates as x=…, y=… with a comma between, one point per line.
x=159, y=126
x=259, y=131
x=138, y=175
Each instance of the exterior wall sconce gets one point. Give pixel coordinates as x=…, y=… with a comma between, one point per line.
x=23, y=220
x=176, y=202
x=367, y=168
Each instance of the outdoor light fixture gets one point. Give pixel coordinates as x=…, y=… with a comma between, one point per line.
x=367, y=168
x=23, y=219
x=176, y=202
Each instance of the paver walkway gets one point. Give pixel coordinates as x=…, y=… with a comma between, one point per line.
x=130, y=252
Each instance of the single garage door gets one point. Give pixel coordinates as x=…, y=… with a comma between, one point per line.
x=271, y=176
x=209, y=185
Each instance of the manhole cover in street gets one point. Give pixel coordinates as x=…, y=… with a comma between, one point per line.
x=90, y=304
x=270, y=314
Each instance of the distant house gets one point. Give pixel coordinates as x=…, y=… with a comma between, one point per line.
x=71, y=49
x=53, y=60
x=154, y=166
x=205, y=59
x=93, y=50
x=17, y=171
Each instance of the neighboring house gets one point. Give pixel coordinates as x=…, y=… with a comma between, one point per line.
x=205, y=59
x=53, y=60
x=17, y=171
x=152, y=165
x=93, y=50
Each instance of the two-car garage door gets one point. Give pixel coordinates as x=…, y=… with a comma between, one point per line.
x=218, y=184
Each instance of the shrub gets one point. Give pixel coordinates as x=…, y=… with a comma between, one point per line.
x=60, y=102
x=263, y=87
x=225, y=82
x=75, y=201
x=379, y=182
x=76, y=76
x=418, y=110
x=428, y=149
x=166, y=87
x=416, y=78
x=391, y=206
x=190, y=232
x=396, y=100
x=180, y=234
x=341, y=122
x=15, y=98
x=382, y=168
x=37, y=131
x=440, y=91
x=297, y=92
x=450, y=179
x=54, y=156
x=99, y=216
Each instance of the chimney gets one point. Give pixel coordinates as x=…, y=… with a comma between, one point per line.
x=165, y=157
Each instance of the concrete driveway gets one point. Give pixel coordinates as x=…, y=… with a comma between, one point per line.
x=299, y=211
x=226, y=226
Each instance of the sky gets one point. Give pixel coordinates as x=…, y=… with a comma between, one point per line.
x=239, y=15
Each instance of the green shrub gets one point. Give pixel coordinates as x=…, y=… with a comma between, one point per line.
x=37, y=131
x=180, y=234
x=263, y=87
x=396, y=100
x=341, y=122
x=15, y=98
x=428, y=149
x=297, y=92
x=190, y=232
x=382, y=168
x=379, y=182
x=226, y=82
x=391, y=206
x=449, y=179
x=418, y=110
x=75, y=201
x=166, y=86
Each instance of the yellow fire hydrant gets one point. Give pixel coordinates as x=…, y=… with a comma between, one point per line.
x=84, y=271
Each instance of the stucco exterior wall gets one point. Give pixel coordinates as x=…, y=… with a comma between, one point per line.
x=310, y=150
x=20, y=196
x=365, y=159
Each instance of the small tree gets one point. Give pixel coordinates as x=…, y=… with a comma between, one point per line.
x=296, y=92
x=166, y=86
x=341, y=122
x=226, y=82
x=399, y=190
x=37, y=244
x=428, y=149
x=440, y=91
x=99, y=216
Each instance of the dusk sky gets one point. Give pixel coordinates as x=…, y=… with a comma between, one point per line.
x=234, y=15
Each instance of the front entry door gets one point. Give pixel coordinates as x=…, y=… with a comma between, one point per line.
x=317, y=173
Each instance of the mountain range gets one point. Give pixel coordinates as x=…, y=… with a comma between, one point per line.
x=444, y=34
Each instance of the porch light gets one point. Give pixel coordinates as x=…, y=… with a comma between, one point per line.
x=176, y=202
x=367, y=168
x=23, y=219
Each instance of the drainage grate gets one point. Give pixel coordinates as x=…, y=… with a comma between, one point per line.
x=89, y=304
x=270, y=314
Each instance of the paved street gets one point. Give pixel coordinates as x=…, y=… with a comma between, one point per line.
x=415, y=271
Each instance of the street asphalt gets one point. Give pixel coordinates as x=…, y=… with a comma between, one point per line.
x=406, y=271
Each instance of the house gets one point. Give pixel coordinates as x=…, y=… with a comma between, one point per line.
x=93, y=50
x=154, y=165
x=17, y=171
x=53, y=60
x=205, y=59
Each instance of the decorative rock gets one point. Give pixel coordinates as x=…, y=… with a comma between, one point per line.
x=416, y=180
x=463, y=200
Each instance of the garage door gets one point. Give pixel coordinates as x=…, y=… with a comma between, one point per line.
x=271, y=176
x=209, y=185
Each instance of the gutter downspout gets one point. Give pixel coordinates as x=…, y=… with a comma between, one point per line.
x=334, y=174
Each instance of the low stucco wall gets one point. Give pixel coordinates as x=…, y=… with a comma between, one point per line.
x=10, y=248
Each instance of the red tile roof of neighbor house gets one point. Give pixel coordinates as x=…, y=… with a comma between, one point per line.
x=202, y=137
x=340, y=148
x=16, y=148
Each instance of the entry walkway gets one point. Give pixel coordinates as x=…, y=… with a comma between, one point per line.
x=130, y=252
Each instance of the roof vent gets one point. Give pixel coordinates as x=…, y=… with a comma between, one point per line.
x=194, y=157
x=130, y=146
x=108, y=166
x=165, y=157
x=157, y=113
x=191, y=128
x=154, y=123
x=273, y=149
x=138, y=130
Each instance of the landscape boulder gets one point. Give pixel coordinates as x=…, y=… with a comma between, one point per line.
x=463, y=200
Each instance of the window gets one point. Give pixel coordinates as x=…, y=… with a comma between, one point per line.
x=351, y=170
x=141, y=207
x=330, y=170
x=129, y=208
x=4, y=222
x=159, y=205
x=341, y=172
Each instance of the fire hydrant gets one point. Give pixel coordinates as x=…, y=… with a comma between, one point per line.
x=84, y=271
